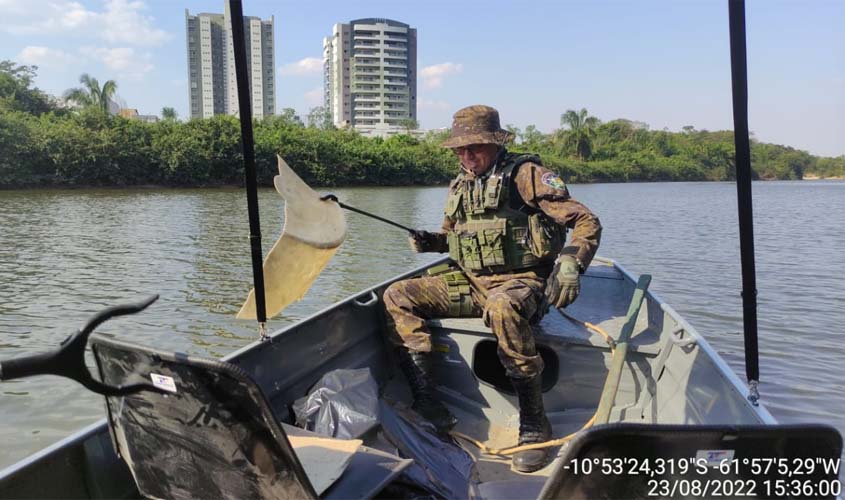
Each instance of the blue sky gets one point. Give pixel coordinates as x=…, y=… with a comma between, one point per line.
x=665, y=63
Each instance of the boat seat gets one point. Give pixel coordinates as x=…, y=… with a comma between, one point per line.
x=699, y=450
x=553, y=330
x=210, y=433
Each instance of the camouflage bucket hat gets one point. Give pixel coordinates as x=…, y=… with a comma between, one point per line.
x=476, y=125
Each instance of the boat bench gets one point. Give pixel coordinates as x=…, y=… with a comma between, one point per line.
x=552, y=330
x=467, y=364
x=207, y=431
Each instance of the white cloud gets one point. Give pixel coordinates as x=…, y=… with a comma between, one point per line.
x=17, y=7
x=43, y=17
x=314, y=97
x=74, y=16
x=433, y=75
x=44, y=57
x=123, y=60
x=307, y=66
x=122, y=21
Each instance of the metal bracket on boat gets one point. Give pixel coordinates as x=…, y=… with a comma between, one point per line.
x=68, y=360
x=754, y=392
x=373, y=298
x=681, y=342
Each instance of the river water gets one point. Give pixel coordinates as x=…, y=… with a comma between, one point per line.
x=66, y=254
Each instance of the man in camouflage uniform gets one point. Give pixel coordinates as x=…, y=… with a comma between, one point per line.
x=505, y=228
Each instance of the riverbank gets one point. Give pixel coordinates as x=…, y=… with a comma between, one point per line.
x=240, y=185
x=91, y=149
x=814, y=177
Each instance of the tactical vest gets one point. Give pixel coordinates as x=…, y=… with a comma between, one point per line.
x=489, y=235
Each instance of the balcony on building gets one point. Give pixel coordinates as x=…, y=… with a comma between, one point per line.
x=374, y=63
x=363, y=44
x=367, y=98
x=365, y=34
x=366, y=87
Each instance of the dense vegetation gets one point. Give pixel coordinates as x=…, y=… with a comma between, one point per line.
x=46, y=142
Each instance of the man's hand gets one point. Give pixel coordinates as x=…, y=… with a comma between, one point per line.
x=564, y=284
x=424, y=241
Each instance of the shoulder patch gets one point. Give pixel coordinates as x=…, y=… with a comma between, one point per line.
x=553, y=180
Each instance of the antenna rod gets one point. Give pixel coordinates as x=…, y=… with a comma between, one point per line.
x=739, y=77
x=245, y=108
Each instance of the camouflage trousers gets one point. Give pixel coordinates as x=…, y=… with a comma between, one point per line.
x=505, y=302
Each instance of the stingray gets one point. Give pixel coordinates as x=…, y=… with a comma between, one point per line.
x=312, y=233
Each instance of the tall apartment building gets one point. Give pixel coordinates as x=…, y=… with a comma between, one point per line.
x=212, y=85
x=370, y=68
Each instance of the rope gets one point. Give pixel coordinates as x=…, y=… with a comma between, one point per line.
x=590, y=326
x=546, y=444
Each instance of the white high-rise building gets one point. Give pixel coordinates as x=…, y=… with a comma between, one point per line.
x=370, y=70
x=212, y=86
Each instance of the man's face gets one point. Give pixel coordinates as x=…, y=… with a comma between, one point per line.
x=477, y=158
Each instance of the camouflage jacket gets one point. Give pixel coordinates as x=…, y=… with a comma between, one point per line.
x=541, y=189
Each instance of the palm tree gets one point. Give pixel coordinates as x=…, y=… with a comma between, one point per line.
x=168, y=113
x=579, y=137
x=91, y=94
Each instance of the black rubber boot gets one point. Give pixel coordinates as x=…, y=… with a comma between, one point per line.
x=417, y=369
x=534, y=427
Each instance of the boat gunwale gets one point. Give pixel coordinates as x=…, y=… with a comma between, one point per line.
x=78, y=437
x=314, y=316
x=723, y=368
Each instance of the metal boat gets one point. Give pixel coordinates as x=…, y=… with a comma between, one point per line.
x=671, y=376
x=671, y=418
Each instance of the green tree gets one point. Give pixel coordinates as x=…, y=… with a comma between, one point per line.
x=437, y=136
x=579, y=138
x=516, y=133
x=289, y=117
x=409, y=124
x=321, y=118
x=828, y=167
x=168, y=113
x=91, y=94
x=15, y=91
x=532, y=138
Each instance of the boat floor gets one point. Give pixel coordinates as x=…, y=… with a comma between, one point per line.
x=496, y=430
x=497, y=468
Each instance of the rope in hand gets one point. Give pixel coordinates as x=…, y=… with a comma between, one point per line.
x=554, y=442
